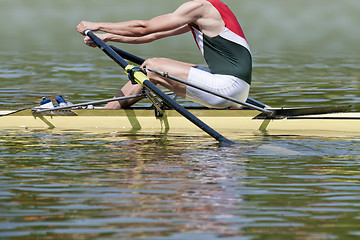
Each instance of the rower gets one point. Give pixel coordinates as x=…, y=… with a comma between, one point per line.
x=219, y=37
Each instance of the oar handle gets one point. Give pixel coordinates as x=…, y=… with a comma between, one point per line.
x=106, y=49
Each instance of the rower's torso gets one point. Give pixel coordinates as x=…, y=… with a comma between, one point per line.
x=222, y=42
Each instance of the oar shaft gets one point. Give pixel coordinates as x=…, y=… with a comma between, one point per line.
x=106, y=49
x=144, y=81
x=192, y=118
x=256, y=102
x=131, y=57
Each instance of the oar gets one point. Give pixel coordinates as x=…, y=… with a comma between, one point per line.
x=166, y=75
x=126, y=55
x=13, y=112
x=251, y=102
x=304, y=111
x=266, y=112
x=139, y=60
x=142, y=79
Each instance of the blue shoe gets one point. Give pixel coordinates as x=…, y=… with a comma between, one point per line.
x=62, y=102
x=46, y=103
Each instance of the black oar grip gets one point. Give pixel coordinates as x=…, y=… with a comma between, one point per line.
x=106, y=49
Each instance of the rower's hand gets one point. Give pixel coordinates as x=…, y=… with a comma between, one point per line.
x=85, y=25
x=89, y=42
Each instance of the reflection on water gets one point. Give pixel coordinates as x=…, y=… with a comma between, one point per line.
x=77, y=185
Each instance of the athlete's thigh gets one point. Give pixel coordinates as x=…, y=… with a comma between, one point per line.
x=172, y=67
x=175, y=68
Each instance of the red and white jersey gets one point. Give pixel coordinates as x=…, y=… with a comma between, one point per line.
x=229, y=52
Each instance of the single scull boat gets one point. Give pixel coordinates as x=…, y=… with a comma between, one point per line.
x=256, y=117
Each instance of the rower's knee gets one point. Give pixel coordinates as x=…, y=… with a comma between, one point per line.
x=155, y=63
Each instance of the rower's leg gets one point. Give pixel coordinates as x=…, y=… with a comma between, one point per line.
x=127, y=90
x=172, y=67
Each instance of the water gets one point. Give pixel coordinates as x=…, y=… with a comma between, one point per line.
x=73, y=185
x=78, y=185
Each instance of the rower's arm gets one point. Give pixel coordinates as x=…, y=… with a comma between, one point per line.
x=143, y=39
x=187, y=13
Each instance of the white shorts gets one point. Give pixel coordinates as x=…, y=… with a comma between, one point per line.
x=227, y=85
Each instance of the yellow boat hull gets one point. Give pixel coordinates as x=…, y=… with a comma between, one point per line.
x=227, y=122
